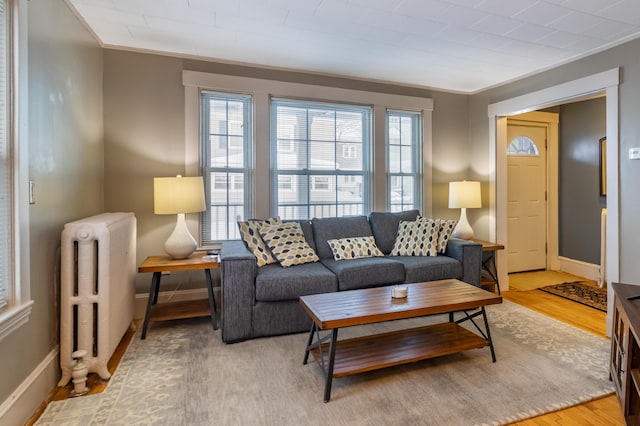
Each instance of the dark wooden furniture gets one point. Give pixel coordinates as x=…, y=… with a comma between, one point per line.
x=625, y=350
x=332, y=311
x=182, y=309
x=489, y=277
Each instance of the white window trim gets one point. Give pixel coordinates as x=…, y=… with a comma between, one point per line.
x=261, y=90
x=18, y=314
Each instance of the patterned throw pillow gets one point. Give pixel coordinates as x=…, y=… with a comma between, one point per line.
x=287, y=243
x=354, y=248
x=250, y=233
x=445, y=229
x=418, y=238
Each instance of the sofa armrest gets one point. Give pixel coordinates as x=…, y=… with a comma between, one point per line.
x=469, y=253
x=238, y=270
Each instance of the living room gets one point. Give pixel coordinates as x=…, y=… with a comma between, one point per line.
x=103, y=122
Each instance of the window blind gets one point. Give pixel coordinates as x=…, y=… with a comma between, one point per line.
x=320, y=158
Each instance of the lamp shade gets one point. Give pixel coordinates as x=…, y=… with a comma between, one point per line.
x=173, y=195
x=464, y=195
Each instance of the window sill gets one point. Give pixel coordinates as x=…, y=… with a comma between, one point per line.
x=13, y=318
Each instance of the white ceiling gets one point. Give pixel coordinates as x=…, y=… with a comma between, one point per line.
x=454, y=45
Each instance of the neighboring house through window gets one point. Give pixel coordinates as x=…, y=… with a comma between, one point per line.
x=404, y=160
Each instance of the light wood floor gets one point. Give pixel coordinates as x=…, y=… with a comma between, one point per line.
x=602, y=412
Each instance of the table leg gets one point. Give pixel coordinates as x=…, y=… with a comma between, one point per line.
x=212, y=300
x=332, y=357
x=486, y=327
x=153, y=299
x=489, y=266
x=309, y=340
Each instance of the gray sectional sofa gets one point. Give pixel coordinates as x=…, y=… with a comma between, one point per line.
x=264, y=301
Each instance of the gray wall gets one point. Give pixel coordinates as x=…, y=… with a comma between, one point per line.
x=582, y=124
x=65, y=160
x=626, y=56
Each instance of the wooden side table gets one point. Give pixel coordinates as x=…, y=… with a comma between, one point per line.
x=183, y=309
x=489, y=271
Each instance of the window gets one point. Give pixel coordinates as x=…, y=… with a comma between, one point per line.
x=15, y=301
x=226, y=149
x=404, y=160
x=320, y=159
x=522, y=145
x=6, y=169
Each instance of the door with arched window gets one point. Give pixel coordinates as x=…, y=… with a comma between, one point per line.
x=526, y=198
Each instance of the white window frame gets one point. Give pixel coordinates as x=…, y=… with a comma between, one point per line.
x=319, y=180
x=233, y=182
x=18, y=309
x=262, y=90
x=417, y=144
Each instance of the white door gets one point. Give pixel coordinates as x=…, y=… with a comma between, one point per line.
x=526, y=204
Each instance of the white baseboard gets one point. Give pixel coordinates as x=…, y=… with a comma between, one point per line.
x=33, y=391
x=579, y=268
x=171, y=296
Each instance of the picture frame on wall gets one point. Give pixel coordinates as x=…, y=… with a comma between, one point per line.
x=603, y=167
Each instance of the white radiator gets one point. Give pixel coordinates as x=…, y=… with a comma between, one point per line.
x=602, y=280
x=98, y=267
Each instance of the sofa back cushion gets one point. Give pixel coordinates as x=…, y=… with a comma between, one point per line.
x=385, y=227
x=331, y=228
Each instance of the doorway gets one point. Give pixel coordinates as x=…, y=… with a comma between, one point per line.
x=606, y=83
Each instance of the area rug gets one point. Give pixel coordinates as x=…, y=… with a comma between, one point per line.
x=182, y=374
x=581, y=292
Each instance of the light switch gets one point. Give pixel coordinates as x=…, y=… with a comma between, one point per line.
x=634, y=153
x=32, y=192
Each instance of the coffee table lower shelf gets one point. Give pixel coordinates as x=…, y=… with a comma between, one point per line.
x=373, y=352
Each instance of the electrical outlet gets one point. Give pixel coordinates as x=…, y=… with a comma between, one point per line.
x=634, y=153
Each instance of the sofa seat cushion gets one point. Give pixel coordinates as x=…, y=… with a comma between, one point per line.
x=429, y=268
x=274, y=283
x=367, y=272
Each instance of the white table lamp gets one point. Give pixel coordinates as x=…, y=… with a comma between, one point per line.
x=179, y=195
x=464, y=195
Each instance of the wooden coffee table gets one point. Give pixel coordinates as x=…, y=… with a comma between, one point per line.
x=332, y=311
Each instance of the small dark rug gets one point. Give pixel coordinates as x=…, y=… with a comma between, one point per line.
x=581, y=292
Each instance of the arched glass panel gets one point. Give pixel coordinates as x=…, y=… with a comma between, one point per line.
x=522, y=145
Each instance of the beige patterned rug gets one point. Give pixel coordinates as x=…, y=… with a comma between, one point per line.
x=182, y=374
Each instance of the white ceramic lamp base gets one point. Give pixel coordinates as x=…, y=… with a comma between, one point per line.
x=180, y=243
x=463, y=230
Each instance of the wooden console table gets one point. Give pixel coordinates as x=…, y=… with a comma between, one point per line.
x=625, y=350
x=183, y=309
